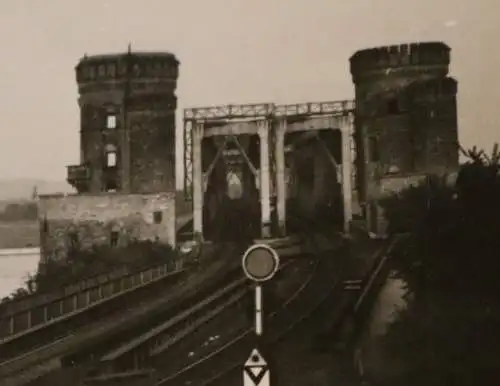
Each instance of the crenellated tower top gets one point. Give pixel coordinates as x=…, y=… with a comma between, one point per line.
x=432, y=58
x=130, y=66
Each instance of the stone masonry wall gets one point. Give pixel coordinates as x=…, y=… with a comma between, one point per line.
x=103, y=220
x=405, y=119
x=138, y=90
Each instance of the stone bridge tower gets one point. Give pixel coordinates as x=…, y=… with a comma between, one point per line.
x=127, y=125
x=406, y=120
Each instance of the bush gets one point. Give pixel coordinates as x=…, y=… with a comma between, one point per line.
x=81, y=264
x=448, y=334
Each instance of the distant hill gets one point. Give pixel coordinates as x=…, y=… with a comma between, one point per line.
x=18, y=224
x=19, y=234
x=22, y=188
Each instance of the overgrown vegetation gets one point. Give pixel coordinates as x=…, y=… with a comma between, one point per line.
x=82, y=264
x=449, y=333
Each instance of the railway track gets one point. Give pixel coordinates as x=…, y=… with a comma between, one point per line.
x=316, y=333
x=66, y=324
x=49, y=364
x=175, y=341
x=18, y=356
x=211, y=369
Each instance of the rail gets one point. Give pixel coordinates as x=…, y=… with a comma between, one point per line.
x=24, y=304
x=49, y=361
x=158, y=337
x=57, y=316
x=19, y=315
x=175, y=331
x=368, y=287
x=307, y=299
x=322, y=308
x=132, y=357
x=157, y=341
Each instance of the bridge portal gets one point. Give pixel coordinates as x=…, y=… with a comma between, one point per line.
x=264, y=168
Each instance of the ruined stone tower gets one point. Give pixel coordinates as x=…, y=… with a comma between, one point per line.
x=127, y=125
x=406, y=120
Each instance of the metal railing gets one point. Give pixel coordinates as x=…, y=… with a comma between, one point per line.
x=58, y=310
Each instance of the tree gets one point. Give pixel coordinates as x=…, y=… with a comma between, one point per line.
x=52, y=275
x=448, y=334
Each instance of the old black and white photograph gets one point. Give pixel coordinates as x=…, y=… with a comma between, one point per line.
x=249, y=193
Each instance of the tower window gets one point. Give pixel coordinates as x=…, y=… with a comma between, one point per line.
x=157, y=217
x=373, y=150
x=111, y=159
x=111, y=122
x=113, y=239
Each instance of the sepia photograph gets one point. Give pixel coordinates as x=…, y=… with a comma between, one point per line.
x=249, y=193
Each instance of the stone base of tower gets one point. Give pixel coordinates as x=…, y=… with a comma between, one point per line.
x=84, y=221
x=375, y=221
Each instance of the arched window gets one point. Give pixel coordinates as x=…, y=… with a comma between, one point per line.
x=111, y=156
x=111, y=121
x=111, y=159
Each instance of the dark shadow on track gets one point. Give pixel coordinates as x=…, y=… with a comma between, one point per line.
x=235, y=221
x=325, y=219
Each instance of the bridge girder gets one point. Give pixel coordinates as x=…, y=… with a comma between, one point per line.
x=271, y=123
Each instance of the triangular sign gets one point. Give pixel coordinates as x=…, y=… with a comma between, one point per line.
x=255, y=372
x=255, y=359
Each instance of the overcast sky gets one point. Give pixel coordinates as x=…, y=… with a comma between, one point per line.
x=231, y=51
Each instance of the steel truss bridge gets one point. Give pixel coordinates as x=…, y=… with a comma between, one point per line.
x=271, y=123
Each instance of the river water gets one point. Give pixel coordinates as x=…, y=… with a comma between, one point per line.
x=15, y=266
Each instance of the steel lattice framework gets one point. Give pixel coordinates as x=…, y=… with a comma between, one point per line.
x=245, y=112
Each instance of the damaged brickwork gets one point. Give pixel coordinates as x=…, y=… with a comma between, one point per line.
x=127, y=123
x=406, y=120
x=83, y=221
x=126, y=176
